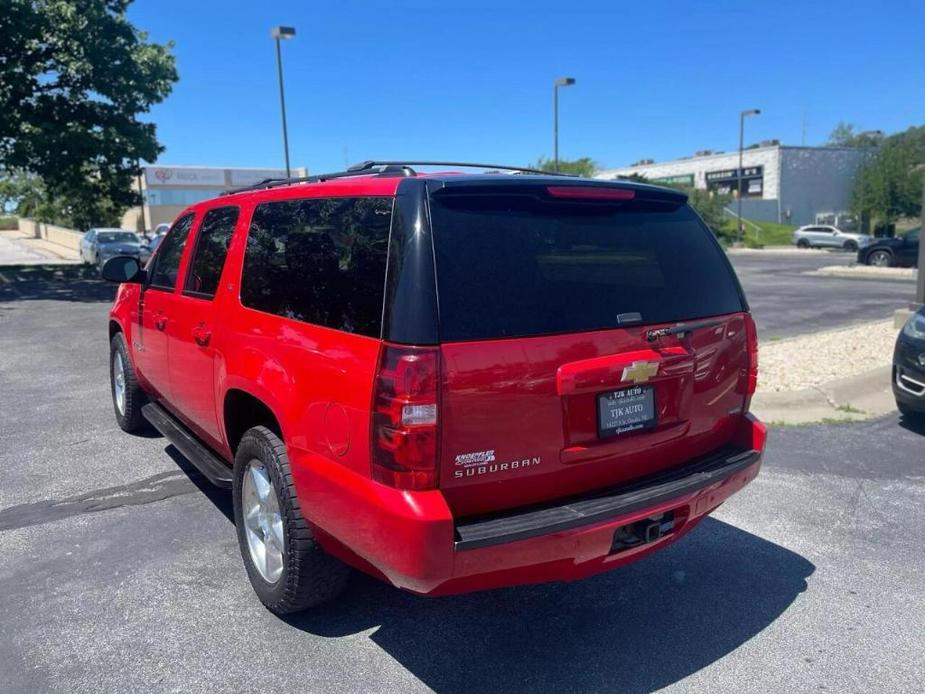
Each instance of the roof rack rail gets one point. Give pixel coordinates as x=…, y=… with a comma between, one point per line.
x=372, y=164
x=383, y=168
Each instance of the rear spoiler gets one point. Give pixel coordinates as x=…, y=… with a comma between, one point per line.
x=587, y=189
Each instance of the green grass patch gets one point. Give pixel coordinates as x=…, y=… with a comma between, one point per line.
x=8, y=223
x=848, y=408
x=767, y=233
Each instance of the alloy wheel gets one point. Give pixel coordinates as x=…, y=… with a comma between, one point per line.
x=118, y=381
x=880, y=258
x=263, y=523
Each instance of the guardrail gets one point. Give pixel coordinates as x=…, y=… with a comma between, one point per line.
x=62, y=236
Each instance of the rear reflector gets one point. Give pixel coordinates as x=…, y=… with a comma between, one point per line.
x=590, y=193
x=404, y=427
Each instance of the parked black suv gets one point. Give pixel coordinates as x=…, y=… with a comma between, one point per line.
x=909, y=367
x=898, y=251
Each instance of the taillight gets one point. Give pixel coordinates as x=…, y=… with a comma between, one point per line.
x=404, y=426
x=751, y=335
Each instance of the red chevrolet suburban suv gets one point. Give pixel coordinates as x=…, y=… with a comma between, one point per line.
x=450, y=381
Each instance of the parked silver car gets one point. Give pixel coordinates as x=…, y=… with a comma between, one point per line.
x=99, y=245
x=824, y=236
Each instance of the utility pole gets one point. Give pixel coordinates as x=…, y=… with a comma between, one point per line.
x=742, y=116
x=141, y=194
x=920, y=282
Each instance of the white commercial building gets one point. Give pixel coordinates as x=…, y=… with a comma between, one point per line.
x=790, y=185
x=167, y=190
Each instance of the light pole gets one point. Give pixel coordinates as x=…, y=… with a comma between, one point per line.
x=920, y=281
x=561, y=82
x=742, y=116
x=278, y=33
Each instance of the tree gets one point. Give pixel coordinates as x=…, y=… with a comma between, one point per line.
x=585, y=166
x=711, y=207
x=844, y=135
x=25, y=194
x=74, y=77
x=888, y=185
x=708, y=204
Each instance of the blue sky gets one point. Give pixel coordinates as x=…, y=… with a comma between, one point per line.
x=473, y=80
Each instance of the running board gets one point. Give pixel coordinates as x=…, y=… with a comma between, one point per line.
x=214, y=468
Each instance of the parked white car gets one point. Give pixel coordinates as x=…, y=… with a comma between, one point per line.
x=824, y=236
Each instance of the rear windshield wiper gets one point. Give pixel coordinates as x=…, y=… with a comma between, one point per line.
x=680, y=329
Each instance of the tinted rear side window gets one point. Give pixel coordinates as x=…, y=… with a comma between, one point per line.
x=211, y=248
x=511, y=265
x=321, y=261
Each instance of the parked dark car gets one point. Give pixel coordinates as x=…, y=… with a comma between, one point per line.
x=909, y=368
x=899, y=251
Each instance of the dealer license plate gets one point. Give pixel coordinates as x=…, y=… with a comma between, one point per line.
x=625, y=411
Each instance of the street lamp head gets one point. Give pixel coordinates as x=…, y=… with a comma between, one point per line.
x=751, y=112
x=282, y=32
x=564, y=82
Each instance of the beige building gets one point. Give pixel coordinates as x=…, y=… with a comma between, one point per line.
x=168, y=190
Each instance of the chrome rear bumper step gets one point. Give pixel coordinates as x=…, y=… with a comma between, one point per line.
x=216, y=470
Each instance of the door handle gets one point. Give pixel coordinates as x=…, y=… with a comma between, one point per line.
x=202, y=335
x=160, y=322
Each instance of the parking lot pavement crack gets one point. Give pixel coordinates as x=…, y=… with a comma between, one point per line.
x=146, y=491
x=824, y=394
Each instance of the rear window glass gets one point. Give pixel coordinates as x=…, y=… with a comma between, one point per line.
x=320, y=261
x=511, y=265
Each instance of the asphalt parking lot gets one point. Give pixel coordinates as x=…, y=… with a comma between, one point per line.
x=786, y=301
x=119, y=568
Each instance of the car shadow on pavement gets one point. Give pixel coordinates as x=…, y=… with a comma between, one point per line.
x=220, y=498
x=79, y=283
x=635, y=629
x=916, y=426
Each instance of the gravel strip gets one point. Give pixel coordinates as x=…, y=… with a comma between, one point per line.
x=811, y=360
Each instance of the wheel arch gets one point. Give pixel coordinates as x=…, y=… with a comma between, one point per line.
x=887, y=251
x=242, y=410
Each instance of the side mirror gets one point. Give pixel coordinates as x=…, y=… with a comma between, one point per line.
x=123, y=268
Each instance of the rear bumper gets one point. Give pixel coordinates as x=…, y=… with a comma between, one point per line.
x=412, y=540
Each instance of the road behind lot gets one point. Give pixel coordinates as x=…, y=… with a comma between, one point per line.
x=786, y=301
x=119, y=568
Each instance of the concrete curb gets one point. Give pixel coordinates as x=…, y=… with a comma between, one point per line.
x=781, y=250
x=863, y=272
x=862, y=396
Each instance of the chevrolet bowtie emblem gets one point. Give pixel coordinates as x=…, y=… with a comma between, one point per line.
x=640, y=371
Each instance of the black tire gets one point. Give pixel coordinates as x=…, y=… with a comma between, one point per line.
x=803, y=243
x=851, y=246
x=310, y=576
x=129, y=419
x=880, y=253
